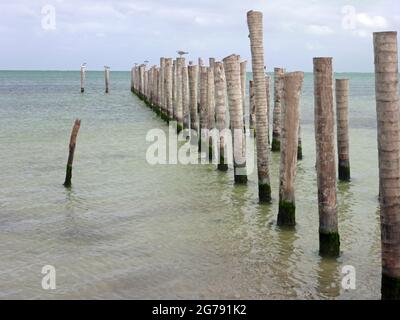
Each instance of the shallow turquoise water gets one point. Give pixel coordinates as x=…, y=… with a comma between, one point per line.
x=127, y=229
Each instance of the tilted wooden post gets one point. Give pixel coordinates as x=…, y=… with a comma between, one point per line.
x=203, y=109
x=276, y=125
x=342, y=107
x=329, y=242
x=194, y=118
x=83, y=72
x=255, y=25
x=220, y=111
x=387, y=109
x=289, y=139
x=232, y=74
x=72, y=144
x=107, y=78
x=243, y=81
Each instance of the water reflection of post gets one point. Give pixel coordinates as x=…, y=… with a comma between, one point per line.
x=328, y=278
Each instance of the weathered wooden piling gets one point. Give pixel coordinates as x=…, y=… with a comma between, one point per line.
x=211, y=106
x=255, y=25
x=289, y=140
x=83, y=73
x=276, y=124
x=203, y=140
x=252, y=106
x=342, y=122
x=72, y=145
x=185, y=97
x=268, y=106
x=232, y=74
x=107, y=78
x=194, y=118
x=168, y=87
x=243, y=81
x=220, y=111
x=180, y=62
x=329, y=242
x=174, y=89
x=161, y=102
x=387, y=109
x=299, y=146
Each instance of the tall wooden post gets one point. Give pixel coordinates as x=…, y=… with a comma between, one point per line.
x=185, y=97
x=132, y=79
x=180, y=62
x=194, y=118
x=243, y=81
x=203, y=140
x=255, y=25
x=329, y=242
x=174, y=90
x=232, y=74
x=276, y=125
x=252, y=106
x=211, y=107
x=220, y=112
x=72, y=144
x=342, y=107
x=107, y=78
x=268, y=106
x=387, y=109
x=289, y=139
x=83, y=72
x=168, y=87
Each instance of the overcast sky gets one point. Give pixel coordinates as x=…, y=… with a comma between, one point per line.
x=119, y=33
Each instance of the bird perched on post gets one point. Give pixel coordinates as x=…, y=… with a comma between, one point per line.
x=181, y=53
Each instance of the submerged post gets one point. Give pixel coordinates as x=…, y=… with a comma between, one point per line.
x=107, y=77
x=387, y=109
x=329, y=243
x=232, y=74
x=255, y=25
x=276, y=125
x=289, y=139
x=72, y=144
x=83, y=72
x=220, y=111
x=342, y=107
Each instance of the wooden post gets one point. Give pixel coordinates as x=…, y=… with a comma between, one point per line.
x=83, y=72
x=185, y=97
x=276, y=125
x=342, y=106
x=174, y=91
x=72, y=144
x=180, y=62
x=299, y=146
x=107, y=78
x=194, y=119
x=329, y=242
x=243, y=80
x=255, y=25
x=220, y=111
x=252, y=106
x=203, y=108
x=211, y=107
x=232, y=74
x=387, y=108
x=162, y=88
x=289, y=139
x=268, y=106
x=168, y=87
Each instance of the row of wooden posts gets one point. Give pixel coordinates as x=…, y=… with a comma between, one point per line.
x=195, y=97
